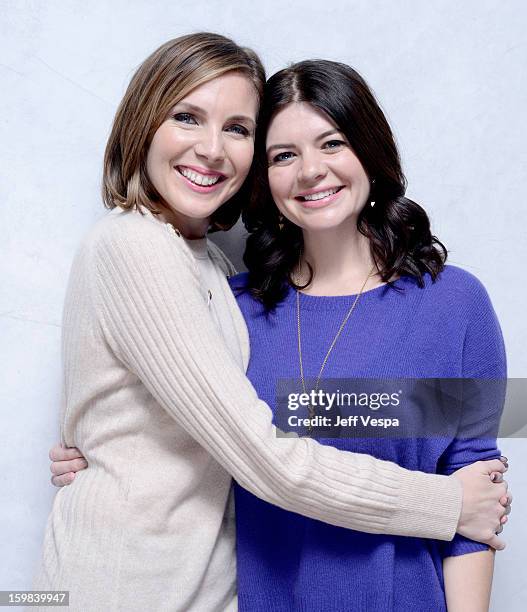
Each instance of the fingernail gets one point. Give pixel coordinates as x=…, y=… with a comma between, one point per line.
x=504, y=459
x=493, y=477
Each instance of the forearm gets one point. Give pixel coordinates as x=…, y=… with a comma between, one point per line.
x=155, y=319
x=468, y=581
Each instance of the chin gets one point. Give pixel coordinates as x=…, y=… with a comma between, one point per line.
x=197, y=210
x=321, y=225
x=330, y=222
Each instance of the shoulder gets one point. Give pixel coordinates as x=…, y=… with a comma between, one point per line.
x=457, y=288
x=125, y=249
x=125, y=225
x=456, y=278
x=454, y=302
x=134, y=236
x=469, y=302
x=458, y=298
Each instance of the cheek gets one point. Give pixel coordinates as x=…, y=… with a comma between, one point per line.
x=279, y=184
x=280, y=193
x=169, y=143
x=364, y=186
x=152, y=166
x=362, y=180
x=242, y=157
x=272, y=182
x=156, y=154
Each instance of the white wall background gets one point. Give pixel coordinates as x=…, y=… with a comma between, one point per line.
x=448, y=74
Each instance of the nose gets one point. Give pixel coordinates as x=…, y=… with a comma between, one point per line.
x=312, y=168
x=210, y=146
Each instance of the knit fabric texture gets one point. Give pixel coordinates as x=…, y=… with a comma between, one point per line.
x=156, y=399
x=448, y=329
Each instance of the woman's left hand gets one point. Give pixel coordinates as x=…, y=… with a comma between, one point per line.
x=65, y=463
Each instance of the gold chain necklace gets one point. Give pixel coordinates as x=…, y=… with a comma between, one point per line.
x=332, y=345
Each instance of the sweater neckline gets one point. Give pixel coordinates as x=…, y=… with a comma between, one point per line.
x=338, y=302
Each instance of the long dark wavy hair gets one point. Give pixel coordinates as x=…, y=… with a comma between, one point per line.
x=398, y=229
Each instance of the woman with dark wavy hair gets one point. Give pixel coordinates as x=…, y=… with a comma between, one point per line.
x=346, y=280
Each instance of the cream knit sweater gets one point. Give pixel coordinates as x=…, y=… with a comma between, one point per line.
x=157, y=401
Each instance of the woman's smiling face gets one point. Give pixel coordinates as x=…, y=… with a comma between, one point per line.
x=316, y=180
x=201, y=154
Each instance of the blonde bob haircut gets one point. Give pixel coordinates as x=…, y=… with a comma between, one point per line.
x=162, y=80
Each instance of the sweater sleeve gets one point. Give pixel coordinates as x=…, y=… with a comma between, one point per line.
x=484, y=385
x=154, y=316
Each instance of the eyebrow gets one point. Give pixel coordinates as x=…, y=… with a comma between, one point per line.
x=243, y=118
x=201, y=111
x=291, y=146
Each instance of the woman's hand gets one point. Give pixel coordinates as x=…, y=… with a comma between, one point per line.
x=486, y=501
x=65, y=463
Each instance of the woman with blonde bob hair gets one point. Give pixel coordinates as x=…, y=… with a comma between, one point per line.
x=164, y=79
x=154, y=351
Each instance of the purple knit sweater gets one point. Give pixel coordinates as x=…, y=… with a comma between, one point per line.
x=448, y=329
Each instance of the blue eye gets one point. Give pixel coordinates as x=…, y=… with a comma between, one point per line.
x=185, y=118
x=238, y=129
x=333, y=144
x=281, y=157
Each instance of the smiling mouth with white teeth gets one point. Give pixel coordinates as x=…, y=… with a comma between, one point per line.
x=320, y=195
x=202, y=180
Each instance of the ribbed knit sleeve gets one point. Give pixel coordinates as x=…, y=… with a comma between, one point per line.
x=147, y=294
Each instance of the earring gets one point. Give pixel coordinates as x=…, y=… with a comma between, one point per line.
x=372, y=203
x=280, y=222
